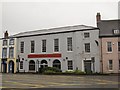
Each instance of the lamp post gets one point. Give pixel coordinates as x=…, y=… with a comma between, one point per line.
x=38, y=66
x=18, y=63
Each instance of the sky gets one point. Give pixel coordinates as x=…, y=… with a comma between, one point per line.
x=24, y=16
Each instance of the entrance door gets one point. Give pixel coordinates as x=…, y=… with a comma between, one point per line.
x=11, y=67
x=4, y=68
x=87, y=66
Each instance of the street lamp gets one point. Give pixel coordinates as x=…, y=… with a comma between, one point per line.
x=38, y=65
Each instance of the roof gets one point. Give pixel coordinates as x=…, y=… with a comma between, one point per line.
x=107, y=26
x=55, y=30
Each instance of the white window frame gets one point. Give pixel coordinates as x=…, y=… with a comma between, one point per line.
x=69, y=44
x=85, y=48
x=56, y=45
x=22, y=44
x=5, y=44
x=4, y=55
x=11, y=53
x=70, y=67
x=21, y=64
x=109, y=65
x=11, y=41
x=32, y=46
x=44, y=45
x=110, y=47
x=86, y=34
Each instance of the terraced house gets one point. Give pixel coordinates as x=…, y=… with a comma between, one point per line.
x=66, y=48
x=8, y=54
x=110, y=45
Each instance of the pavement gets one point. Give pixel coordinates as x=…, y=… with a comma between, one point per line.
x=35, y=81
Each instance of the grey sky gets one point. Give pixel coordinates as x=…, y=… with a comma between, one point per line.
x=25, y=16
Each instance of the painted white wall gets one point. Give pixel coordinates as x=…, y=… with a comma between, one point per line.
x=77, y=55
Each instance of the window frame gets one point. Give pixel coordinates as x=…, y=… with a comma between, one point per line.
x=109, y=47
x=69, y=44
x=21, y=64
x=32, y=46
x=87, y=50
x=5, y=44
x=22, y=47
x=11, y=41
x=70, y=64
x=4, y=55
x=56, y=45
x=11, y=53
x=86, y=35
x=44, y=44
x=110, y=67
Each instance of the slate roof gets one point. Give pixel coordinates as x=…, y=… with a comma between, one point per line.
x=107, y=26
x=55, y=30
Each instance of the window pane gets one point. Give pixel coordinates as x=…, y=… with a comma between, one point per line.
x=69, y=44
x=70, y=65
x=11, y=42
x=32, y=46
x=4, y=53
x=4, y=42
x=56, y=45
x=22, y=47
x=11, y=52
x=109, y=46
x=87, y=47
x=43, y=45
x=118, y=46
x=86, y=35
x=21, y=64
x=110, y=64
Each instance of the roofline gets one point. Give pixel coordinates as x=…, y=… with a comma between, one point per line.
x=109, y=36
x=54, y=33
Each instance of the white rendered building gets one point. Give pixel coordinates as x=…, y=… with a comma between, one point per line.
x=67, y=48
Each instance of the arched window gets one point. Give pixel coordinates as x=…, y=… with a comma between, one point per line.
x=44, y=64
x=31, y=65
x=57, y=64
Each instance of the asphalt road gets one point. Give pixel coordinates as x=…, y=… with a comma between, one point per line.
x=27, y=81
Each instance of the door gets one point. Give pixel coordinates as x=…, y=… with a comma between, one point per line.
x=87, y=66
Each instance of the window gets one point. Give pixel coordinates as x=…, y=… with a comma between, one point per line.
x=70, y=65
x=4, y=53
x=119, y=64
x=56, y=45
x=22, y=47
x=69, y=43
x=4, y=42
x=11, y=42
x=109, y=46
x=11, y=52
x=87, y=47
x=43, y=45
x=110, y=65
x=86, y=35
x=32, y=46
x=116, y=31
x=21, y=64
x=119, y=46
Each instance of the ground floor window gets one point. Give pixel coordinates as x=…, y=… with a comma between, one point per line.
x=57, y=64
x=110, y=65
x=44, y=64
x=119, y=64
x=31, y=65
x=21, y=64
x=70, y=65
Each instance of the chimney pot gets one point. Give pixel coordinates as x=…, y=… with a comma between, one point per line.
x=6, y=34
x=98, y=17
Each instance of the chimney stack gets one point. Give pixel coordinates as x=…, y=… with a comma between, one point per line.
x=6, y=34
x=98, y=17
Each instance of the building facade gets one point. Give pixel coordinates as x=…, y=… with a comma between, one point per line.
x=8, y=54
x=110, y=45
x=66, y=48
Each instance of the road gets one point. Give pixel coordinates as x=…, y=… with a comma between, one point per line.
x=57, y=81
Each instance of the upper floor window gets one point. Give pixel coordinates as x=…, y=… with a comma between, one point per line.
x=87, y=47
x=86, y=35
x=56, y=45
x=11, y=52
x=32, y=46
x=116, y=31
x=5, y=42
x=22, y=47
x=43, y=45
x=11, y=42
x=110, y=66
x=70, y=65
x=4, y=53
x=118, y=46
x=109, y=46
x=69, y=43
